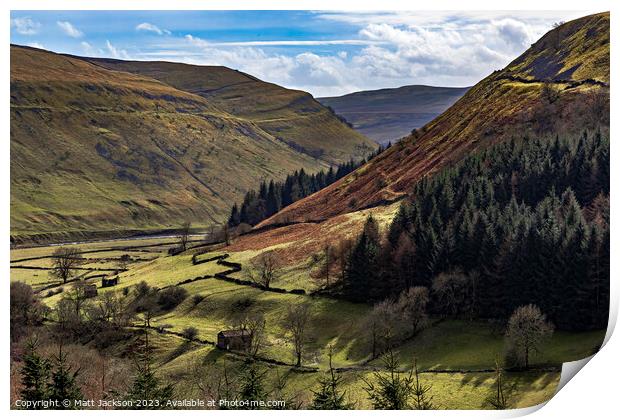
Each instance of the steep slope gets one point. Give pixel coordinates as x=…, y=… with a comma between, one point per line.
x=291, y=116
x=96, y=150
x=558, y=86
x=386, y=115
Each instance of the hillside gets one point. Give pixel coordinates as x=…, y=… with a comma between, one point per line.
x=386, y=115
x=95, y=150
x=291, y=116
x=559, y=86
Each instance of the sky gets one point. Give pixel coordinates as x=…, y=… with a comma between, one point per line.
x=325, y=53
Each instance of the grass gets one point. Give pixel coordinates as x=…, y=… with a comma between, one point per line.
x=101, y=249
x=463, y=347
x=178, y=362
x=291, y=115
x=455, y=345
x=139, y=138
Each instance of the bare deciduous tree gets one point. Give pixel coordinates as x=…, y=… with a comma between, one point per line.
x=78, y=295
x=412, y=305
x=527, y=329
x=451, y=291
x=114, y=309
x=264, y=269
x=324, y=261
x=214, y=382
x=254, y=323
x=296, y=325
x=342, y=255
x=382, y=325
x=66, y=261
x=184, y=235
x=498, y=398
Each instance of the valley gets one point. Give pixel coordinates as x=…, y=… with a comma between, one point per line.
x=387, y=115
x=455, y=356
x=214, y=236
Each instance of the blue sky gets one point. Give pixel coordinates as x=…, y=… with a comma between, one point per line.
x=324, y=53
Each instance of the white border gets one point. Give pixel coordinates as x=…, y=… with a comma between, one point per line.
x=592, y=394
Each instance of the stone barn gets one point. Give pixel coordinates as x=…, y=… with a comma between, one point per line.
x=106, y=282
x=234, y=339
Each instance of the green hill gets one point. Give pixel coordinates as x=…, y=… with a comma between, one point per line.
x=98, y=150
x=389, y=114
x=291, y=116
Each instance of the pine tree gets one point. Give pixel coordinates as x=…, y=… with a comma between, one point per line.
x=146, y=386
x=252, y=384
x=421, y=398
x=329, y=396
x=392, y=390
x=234, y=219
x=63, y=386
x=34, y=374
x=361, y=281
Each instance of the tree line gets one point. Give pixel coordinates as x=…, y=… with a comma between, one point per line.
x=523, y=222
x=272, y=196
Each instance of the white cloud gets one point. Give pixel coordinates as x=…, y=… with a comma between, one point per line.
x=25, y=26
x=69, y=29
x=193, y=40
x=279, y=43
x=116, y=52
x=292, y=43
x=36, y=45
x=390, y=49
x=87, y=48
x=446, y=19
x=149, y=27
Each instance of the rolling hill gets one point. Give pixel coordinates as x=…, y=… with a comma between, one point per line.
x=291, y=116
x=559, y=86
x=386, y=115
x=100, y=150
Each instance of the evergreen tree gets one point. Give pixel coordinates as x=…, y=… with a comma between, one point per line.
x=362, y=277
x=34, y=374
x=392, y=390
x=421, y=398
x=252, y=384
x=235, y=218
x=146, y=386
x=329, y=396
x=530, y=217
x=63, y=386
x=270, y=197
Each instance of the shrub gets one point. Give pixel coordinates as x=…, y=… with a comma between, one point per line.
x=171, y=297
x=190, y=333
x=242, y=304
x=142, y=289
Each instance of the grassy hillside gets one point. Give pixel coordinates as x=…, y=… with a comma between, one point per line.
x=454, y=356
x=389, y=114
x=94, y=149
x=557, y=87
x=291, y=116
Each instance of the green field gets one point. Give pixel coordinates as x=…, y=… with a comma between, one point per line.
x=455, y=356
x=181, y=362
